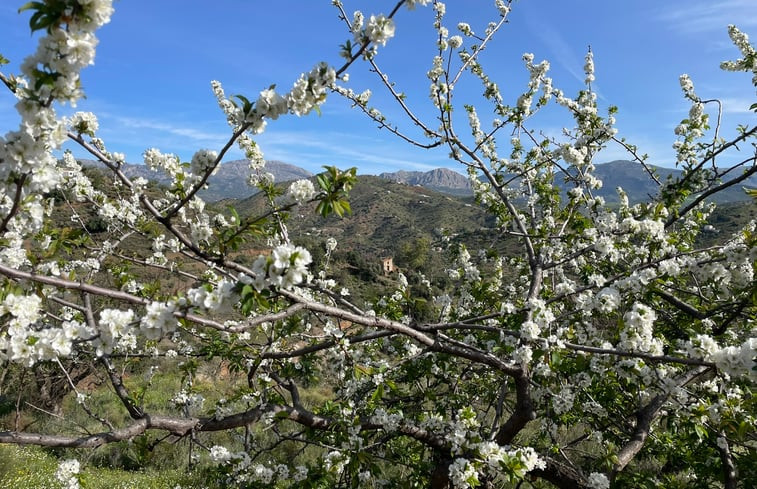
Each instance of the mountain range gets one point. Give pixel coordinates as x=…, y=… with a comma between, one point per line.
x=631, y=176
x=400, y=215
x=440, y=179
x=230, y=181
x=388, y=217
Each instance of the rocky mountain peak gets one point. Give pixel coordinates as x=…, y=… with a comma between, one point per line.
x=440, y=179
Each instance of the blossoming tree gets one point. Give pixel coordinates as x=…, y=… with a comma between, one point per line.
x=613, y=351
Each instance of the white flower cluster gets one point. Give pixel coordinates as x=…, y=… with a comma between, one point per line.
x=749, y=60
x=219, y=453
x=252, y=152
x=244, y=471
x=67, y=474
x=463, y=474
x=563, y=401
x=213, y=298
x=25, y=310
x=202, y=161
x=116, y=329
x=155, y=160
x=410, y=4
x=574, y=156
x=589, y=68
x=465, y=267
x=438, y=88
x=691, y=128
x=232, y=111
x=84, y=123
x=270, y=104
x=158, y=320
x=529, y=459
x=455, y=42
x=738, y=360
x=300, y=191
x=284, y=268
x=309, y=91
x=537, y=79
x=388, y=421
x=638, y=334
x=331, y=244
x=121, y=210
x=27, y=340
x=607, y=300
x=379, y=29
x=502, y=7
x=687, y=85
x=598, y=481
x=13, y=254
x=465, y=28
x=541, y=317
x=189, y=402
x=735, y=361
x=51, y=73
x=65, y=51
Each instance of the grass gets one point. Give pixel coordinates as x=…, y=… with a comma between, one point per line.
x=134, y=464
x=33, y=467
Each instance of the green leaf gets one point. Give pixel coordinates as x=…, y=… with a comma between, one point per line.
x=322, y=182
x=246, y=104
x=336, y=206
x=700, y=431
x=378, y=394
x=39, y=21
x=31, y=5
x=743, y=429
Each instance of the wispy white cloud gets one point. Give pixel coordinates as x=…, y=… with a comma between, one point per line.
x=695, y=17
x=562, y=52
x=737, y=105
x=307, y=147
x=312, y=149
x=133, y=134
x=194, y=135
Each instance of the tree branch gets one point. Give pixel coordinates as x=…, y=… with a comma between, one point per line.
x=644, y=419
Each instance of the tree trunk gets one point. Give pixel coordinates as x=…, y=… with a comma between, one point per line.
x=440, y=475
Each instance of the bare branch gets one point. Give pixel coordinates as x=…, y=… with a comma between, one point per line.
x=644, y=418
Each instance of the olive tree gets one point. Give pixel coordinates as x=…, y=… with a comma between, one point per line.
x=613, y=350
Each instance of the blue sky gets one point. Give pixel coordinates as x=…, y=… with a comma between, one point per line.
x=150, y=85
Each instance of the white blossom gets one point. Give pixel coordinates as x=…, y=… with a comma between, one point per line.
x=598, y=481
x=301, y=191
x=379, y=29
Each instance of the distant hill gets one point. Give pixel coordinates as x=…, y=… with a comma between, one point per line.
x=386, y=214
x=630, y=175
x=439, y=179
x=639, y=186
x=229, y=182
